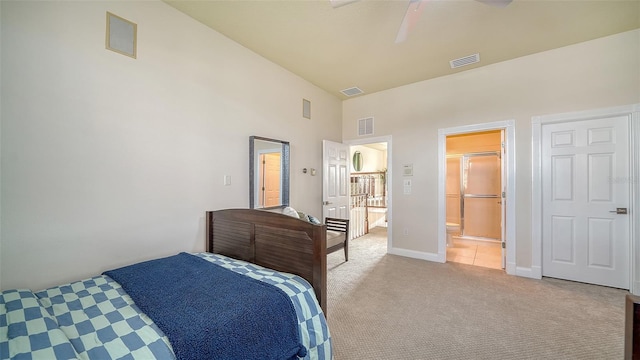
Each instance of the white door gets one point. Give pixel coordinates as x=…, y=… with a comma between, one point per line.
x=335, y=176
x=269, y=174
x=585, y=233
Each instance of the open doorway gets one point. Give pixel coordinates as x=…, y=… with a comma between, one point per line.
x=505, y=200
x=370, y=188
x=368, y=182
x=473, y=198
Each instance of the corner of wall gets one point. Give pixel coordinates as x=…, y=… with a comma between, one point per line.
x=0, y=147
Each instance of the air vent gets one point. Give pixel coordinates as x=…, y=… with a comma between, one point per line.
x=365, y=126
x=352, y=91
x=464, y=61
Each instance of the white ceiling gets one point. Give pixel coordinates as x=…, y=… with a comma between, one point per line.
x=353, y=45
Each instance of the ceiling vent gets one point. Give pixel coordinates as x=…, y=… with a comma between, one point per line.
x=352, y=91
x=365, y=126
x=464, y=61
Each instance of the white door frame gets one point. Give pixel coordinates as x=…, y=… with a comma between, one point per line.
x=633, y=113
x=510, y=187
x=389, y=177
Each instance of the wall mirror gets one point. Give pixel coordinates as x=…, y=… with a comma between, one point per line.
x=357, y=161
x=268, y=173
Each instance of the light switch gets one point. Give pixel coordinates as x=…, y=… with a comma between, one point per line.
x=407, y=186
x=227, y=180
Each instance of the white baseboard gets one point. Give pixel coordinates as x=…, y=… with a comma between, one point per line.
x=537, y=272
x=435, y=257
x=534, y=272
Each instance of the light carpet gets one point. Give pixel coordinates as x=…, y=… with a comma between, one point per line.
x=384, y=306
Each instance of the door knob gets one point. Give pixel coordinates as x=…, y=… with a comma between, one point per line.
x=326, y=203
x=620, y=211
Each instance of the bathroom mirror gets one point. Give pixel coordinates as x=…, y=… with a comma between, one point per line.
x=357, y=161
x=268, y=173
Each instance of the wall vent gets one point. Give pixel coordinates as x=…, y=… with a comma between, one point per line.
x=365, y=126
x=306, y=109
x=352, y=91
x=464, y=61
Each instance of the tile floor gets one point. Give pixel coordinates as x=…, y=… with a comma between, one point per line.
x=474, y=252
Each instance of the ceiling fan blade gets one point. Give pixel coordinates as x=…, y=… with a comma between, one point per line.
x=338, y=3
x=410, y=19
x=496, y=3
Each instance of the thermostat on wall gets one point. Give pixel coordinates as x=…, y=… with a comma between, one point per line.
x=407, y=170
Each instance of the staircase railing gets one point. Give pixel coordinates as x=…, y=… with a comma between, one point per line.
x=359, y=220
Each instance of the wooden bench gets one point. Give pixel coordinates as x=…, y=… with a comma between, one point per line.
x=337, y=235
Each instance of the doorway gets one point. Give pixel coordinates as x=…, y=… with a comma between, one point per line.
x=482, y=189
x=370, y=187
x=474, y=201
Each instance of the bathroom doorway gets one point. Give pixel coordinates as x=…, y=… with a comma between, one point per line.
x=508, y=244
x=474, y=198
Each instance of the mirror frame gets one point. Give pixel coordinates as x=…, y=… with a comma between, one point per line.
x=284, y=174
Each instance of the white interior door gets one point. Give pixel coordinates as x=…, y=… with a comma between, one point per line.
x=270, y=171
x=335, y=176
x=585, y=232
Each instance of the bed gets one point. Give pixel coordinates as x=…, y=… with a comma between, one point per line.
x=259, y=292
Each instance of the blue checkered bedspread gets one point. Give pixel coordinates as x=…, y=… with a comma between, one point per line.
x=96, y=319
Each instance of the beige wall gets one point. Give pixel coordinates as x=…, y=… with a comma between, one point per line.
x=108, y=160
x=599, y=73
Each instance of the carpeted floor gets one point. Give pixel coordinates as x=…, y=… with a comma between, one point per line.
x=390, y=307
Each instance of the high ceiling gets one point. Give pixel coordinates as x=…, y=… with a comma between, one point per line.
x=354, y=45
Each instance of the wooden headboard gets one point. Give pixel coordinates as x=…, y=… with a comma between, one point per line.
x=272, y=240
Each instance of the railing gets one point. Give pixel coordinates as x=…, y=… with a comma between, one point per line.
x=368, y=191
x=359, y=220
x=372, y=183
